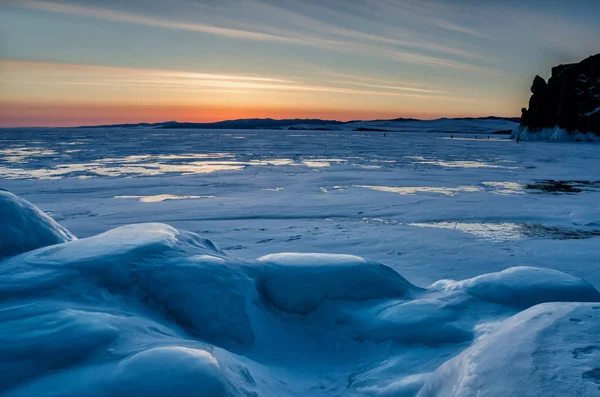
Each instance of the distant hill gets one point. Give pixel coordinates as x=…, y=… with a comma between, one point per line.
x=513, y=119
x=268, y=123
x=239, y=124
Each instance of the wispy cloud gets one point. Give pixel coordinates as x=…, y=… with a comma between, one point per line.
x=140, y=79
x=402, y=37
x=432, y=13
x=151, y=21
x=461, y=29
x=275, y=34
x=377, y=80
x=387, y=87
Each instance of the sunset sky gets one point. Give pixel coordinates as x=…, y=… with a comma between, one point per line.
x=69, y=62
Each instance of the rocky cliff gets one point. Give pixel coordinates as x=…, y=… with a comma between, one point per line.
x=570, y=100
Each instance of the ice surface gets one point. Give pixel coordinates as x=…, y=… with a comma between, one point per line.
x=133, y=306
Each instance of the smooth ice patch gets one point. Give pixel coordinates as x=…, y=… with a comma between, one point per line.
x=23, y=154
x=446, y=191
x=458, y=163
x=505, y=187
x=499, y=232
x=162, y=197
x=490, y=231
x=273, y=189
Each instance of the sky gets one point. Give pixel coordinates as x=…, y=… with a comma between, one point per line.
x=85, y=62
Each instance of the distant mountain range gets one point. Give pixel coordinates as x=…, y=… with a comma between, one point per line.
x=305, y=124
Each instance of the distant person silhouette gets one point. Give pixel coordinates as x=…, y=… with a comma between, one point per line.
x=475, y=136
x=518, y=139
x=451, y=136
x=488, y=137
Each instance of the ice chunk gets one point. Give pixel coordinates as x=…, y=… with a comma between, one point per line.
x=549, y=350
x=300, y=282
x=177, y=273
x=24, y=227
x=38, y=338
x=525, y=286
x=427, y=321
x=205, y=296
x=170, y=371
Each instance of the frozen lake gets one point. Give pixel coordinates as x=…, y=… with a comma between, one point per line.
x=473, y=229
x=429, y=206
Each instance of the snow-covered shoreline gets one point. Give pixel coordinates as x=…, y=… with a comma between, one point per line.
x=553, y=134
x=151, y=310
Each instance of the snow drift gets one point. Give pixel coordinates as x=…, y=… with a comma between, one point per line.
x=547, y=350
x=152, y=310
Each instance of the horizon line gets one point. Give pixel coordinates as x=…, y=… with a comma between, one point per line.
x=267, y=118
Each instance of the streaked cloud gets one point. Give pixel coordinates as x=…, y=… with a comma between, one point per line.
x=140, y=79
x=461, y=29
x=95, y=12
x=212, y=59
x=283, y=35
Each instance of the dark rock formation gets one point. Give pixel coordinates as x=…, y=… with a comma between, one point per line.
x=570, y=98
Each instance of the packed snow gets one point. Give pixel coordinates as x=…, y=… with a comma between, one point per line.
x=548, y=350
x=402, y=267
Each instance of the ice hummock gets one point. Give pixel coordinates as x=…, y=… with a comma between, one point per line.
x=300, y=282
x=25, y=227
x=151, y=310
x=547, y=350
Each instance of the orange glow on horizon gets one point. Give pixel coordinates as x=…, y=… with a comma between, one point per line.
x=63, y=94
x=71, y=115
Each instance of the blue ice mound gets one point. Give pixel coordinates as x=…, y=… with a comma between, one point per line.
x=300, y=282
x=523, y=286
x=135, y=310
x=24, y=227
x=151, y=310
x=37, y=338
x=429, y=321
x=170, y=371
x=550, y=349
x=178, y=274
